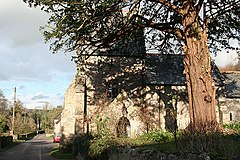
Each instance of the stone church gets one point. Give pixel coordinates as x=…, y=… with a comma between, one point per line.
x=134, y=92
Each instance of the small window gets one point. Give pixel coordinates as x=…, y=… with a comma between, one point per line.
x=230, y=116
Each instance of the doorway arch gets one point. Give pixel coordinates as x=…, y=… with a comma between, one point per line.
x=123, y=127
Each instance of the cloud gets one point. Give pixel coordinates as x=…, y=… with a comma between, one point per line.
x=24, y=55
x=39, y=97
x=34, y=63
x=19, y=23
x=22, y=87
x=225, y=58
x=43, y=102
x=26, y=62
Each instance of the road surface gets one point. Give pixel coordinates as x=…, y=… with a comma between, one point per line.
x=38, y=148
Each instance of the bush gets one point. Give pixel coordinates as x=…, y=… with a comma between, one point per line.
x=93, y=145
x=56, y=153
x=81, y=144
x=233, y=126
x=3, y=124
x=199, y=142
x=90, y=147
x=217, y=145
x=158, y=136
x=102, y=129
x=99, y=146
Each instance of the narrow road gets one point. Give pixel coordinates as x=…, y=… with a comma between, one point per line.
x=38, y=148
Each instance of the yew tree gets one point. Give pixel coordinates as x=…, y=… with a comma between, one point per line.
x=190, y=27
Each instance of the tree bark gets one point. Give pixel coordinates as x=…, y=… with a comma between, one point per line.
x=200, y=84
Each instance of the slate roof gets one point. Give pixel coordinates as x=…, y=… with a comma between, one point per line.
x=232, y=84
x=164, y=69
x=167, y=69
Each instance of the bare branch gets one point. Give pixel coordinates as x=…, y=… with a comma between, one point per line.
x=222, y=10
x=168, y=4
x=166, y=27
x=199, y=5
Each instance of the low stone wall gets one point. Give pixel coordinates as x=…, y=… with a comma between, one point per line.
x=5, y=141
x=141, y=154
x=40, y=131
x=27, y=136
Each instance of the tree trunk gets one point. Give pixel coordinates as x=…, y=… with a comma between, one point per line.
x=200, y=85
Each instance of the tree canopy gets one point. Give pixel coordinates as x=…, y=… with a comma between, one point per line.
x=91, y=25
x=192, y=27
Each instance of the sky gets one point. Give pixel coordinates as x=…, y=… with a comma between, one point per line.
x=25, y=60
x=27, y=64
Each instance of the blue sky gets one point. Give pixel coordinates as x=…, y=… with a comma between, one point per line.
x=26, y=62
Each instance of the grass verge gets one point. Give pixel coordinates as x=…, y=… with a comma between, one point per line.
x=56, y=153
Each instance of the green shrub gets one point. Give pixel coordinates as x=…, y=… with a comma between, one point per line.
x=158, y=136
x=218, y=145
x=102, y=129
x=94, y=145
x=233, y=126
x=56, y=153
x=81, y=144
x=199, y=142
x=98, y=146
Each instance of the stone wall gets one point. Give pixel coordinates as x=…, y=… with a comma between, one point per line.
x=112, y=86
x=149, y=113
x=57, y=125
x=145, y=107
x=230, y=110
x=143, y=116
x=73, y=109
x=144, y=154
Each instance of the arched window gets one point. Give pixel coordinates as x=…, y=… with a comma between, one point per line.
x=230, y=116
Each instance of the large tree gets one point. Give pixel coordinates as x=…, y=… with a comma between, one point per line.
x=194, y=27
x=3, y=112
x=23, y=123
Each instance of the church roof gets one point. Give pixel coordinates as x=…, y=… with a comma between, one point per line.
x=164, y=69
x=167, y=69
x=232, y=84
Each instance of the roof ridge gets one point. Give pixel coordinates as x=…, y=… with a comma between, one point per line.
x=233, y=72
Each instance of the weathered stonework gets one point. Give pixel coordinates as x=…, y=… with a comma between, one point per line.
x=136, y=92
x=72, y=111
x=136, y=108
x=229, y=102
x=133, y=154
x=57, y=124
x=230, y=110
x=143, y=154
